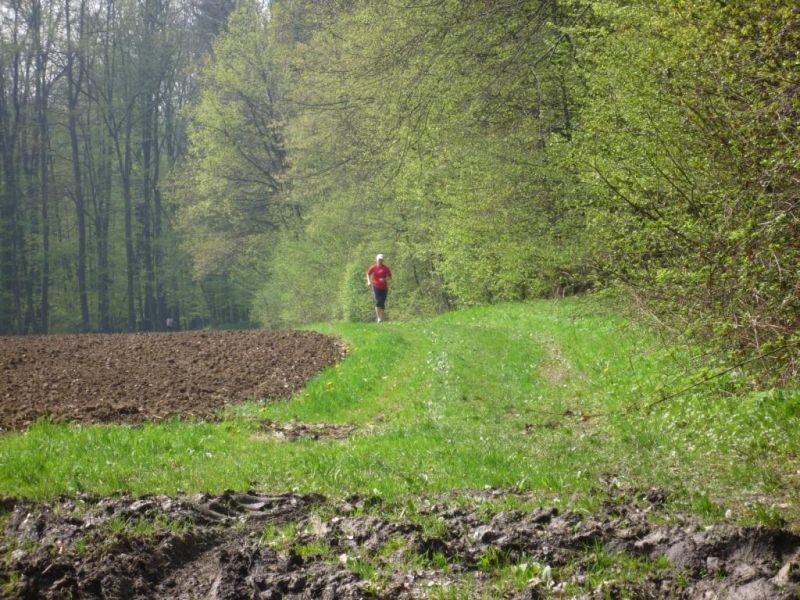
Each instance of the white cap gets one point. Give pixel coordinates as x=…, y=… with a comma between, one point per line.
x=379, y=257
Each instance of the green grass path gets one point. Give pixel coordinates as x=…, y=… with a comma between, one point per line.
x=539, y=396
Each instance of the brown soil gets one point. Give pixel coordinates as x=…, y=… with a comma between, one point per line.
x=149, y=377
x=295, y=430
x=243, y=546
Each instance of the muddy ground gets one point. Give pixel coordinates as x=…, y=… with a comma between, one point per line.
x=149, y=377
x=251, y=546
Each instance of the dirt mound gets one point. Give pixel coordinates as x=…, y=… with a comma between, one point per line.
x=301, y=546
x=295, y=430
x=145, y=377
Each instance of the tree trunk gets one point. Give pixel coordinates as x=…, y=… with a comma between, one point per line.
x=10, y=293
x=73, y=91
x=145, y=218
x=130, y=256
x=158, y=252
x=42, y=92
x=44, y=189
x=102, y=218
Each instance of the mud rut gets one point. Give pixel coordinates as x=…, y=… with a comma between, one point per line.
x=256, y=546
x=220, y=548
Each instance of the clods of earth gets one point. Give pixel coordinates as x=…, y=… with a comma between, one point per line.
x=150, y=377
x=295, y=430
x=473, y=545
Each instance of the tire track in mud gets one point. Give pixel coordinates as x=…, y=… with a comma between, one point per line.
x=249, y=545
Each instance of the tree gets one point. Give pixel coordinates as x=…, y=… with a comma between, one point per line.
x=685, y=154
x=231, y=183
x=11, y=102
x=90, y=93
x=435, y=133
x=74, y=83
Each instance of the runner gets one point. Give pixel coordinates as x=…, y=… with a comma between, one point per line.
x=378, y=276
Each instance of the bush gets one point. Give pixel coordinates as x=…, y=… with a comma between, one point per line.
x=355, y=298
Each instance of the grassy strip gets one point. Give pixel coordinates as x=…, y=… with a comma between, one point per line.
x=535, y=396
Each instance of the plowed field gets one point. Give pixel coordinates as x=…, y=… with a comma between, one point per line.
x=149, y=377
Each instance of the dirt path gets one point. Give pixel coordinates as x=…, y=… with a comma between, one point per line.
x=149, y=377
x=243, y=546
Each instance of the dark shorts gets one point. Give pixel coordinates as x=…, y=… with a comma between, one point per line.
x=380, y=296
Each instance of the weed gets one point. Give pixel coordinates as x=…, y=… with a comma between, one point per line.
x=768, y=516
x=513, y=578
x=707, y=508
x=317, y=549
x=439, y=560
x=431, y=525
x=16, y=543
x=362, y=568
x=82, y=547
x=279, y=538
x=452, y=591
x=10, y=584
x=602, y=566
x=146, y=527
x=394, y=545
x=494, y=559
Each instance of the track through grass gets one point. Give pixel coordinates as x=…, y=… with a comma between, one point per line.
x=539, y=396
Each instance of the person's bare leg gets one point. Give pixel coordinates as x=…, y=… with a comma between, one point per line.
x=380, y=314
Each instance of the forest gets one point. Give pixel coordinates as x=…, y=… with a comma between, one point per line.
x=234, y=162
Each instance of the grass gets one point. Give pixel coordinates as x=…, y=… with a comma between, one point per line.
x=9, y=584
x=280, y=538
x=545, y=396
x=141, y=526
x=606, y=569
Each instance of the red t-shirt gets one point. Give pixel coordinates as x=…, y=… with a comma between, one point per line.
x=378, y=275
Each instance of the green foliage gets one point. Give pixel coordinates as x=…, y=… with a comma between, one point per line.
x=506, y=151
x=381, y=116
x=146, y=527
x=607, y=569
x=229, y=186
x=302, y=284
x=356, y=299
x=280, y=538
x=495, y=151
x=537, y=149
x=688, y=177
x=10, y=583
x=470, y=218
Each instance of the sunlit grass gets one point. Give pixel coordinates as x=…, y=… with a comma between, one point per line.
x=546, y=396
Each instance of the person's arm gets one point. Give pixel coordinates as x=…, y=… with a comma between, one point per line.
x=368, y=281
